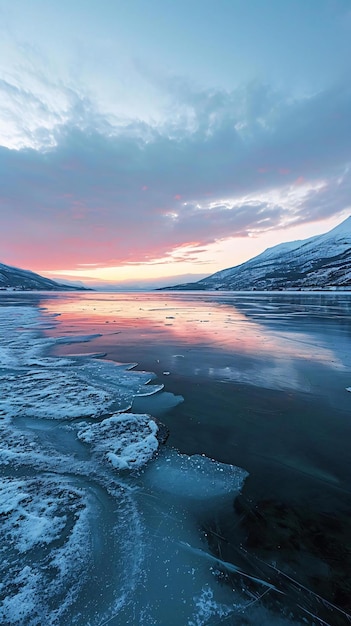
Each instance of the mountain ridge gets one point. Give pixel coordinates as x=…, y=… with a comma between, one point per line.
x=319, y=262
x=17, y=279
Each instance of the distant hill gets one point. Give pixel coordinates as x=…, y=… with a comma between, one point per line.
x=321, y=262
x=13, y=278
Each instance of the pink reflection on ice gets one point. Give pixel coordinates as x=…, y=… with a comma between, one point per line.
x=189, y=319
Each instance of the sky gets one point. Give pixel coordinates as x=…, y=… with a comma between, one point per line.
x=143, y=141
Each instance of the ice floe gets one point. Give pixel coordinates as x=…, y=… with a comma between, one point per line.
x=126, y=440
x=196, y=477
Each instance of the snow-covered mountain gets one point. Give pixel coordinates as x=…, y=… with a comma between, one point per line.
x=18, y=279
x=321, y=262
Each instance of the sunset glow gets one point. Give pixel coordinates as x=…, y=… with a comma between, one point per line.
x=124, y=160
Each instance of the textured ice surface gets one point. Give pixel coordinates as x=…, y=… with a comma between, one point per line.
x=208, y=608
x=49, y=507
x=18, y=348
x=18, y=446
x=52, y=393
x=32, y=512
x=44, y=538
x=71, y=390
x=82, y=542
x=126, y=440
x=196, y=477
x=59, y=388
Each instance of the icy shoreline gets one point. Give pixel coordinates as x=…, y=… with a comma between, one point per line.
x=96, y=528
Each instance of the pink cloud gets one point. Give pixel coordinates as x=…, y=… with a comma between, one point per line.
x=83, y=200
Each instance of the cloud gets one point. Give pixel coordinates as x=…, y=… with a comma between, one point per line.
x=229, y=164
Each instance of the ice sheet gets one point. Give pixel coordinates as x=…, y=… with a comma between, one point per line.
x=59, y=388
x=196, y=477
x=83, y=540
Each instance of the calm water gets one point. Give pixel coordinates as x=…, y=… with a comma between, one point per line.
x=255, y=381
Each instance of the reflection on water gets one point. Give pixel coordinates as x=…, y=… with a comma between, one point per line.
x=254, y=381
x=253, y=339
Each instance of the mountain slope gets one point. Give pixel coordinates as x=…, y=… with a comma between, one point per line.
x=322, y=261
x=18, y=279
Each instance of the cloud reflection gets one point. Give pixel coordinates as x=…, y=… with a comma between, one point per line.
x=204, y=337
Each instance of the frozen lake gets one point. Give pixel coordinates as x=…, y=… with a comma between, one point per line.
x=240, y=518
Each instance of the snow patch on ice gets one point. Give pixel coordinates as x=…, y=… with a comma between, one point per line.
x=44, y=547
x=33, y=520
x=52, y=393
x=126, y=440
x=18, y=447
